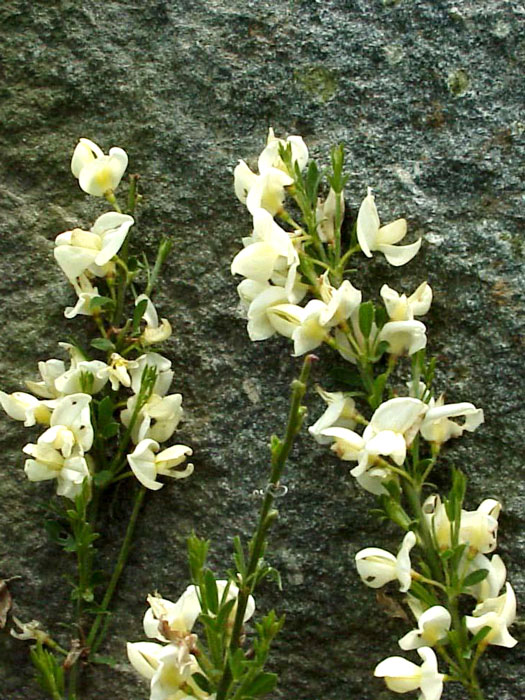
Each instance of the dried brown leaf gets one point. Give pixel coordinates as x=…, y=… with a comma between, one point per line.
x=5, y=602
x=391, y=606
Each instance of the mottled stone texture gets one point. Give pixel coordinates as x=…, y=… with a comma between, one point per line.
x=426, y=96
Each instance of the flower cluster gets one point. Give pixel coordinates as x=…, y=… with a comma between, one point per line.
x=79, y=404
x=170, y=664
x=297, y=284
x=279, y=264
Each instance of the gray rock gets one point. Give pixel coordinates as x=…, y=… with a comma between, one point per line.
x=427, y=98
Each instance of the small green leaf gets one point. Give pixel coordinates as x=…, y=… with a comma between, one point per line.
x=238, y=557
x=475, y=577
x=202, y=682
x=104, y=660
x=102, y=478
x=380, y=350
x=312, y=180
x=225, y=612
x=366, y=318
x=109, y=430
x=262, y=683
x=480, y=635
x=237, y=663
x=101, y=302
x=210, y=592
x=419, y=591
x=381, y=317
x=138, y=313
x=103, y=344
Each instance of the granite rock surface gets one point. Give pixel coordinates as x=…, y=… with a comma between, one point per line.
x=428, y=99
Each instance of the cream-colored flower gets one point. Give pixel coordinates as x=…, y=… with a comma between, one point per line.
x=163, y=370
x=270, y=313
x=157, y=419
x=172, y=622
x=372, y=236
x=49, y=462
x=325, y=215
x=268, y=191
x=96, y=172
x=403, y=337
x=49, y=370
x=402, y=675
x=154, y=332
x=493, y=583
x=119, y=369
x=77, y=251
x=498, y=614
x=147, y=463
x=438, y=427
x=390, y=431
x=339, y=414
x=25, y=407
x=270, y=157
x=310, y=331
x=70, y=425
x=433, y=626
x=478, y=528
x=341, y=303
x=86, y=292
x=376, y=566
x=72, y=381
x=270, y=248
x=402, y=308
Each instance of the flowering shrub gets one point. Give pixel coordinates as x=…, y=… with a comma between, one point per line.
x=107, y=414
x=104, y=412
x=298, y=283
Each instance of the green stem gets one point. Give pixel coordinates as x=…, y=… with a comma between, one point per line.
x=162, y=254
x=280, y=452
x=110, y=196
x=117, y=571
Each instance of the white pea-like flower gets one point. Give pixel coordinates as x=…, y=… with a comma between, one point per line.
x=340, y=413
x=341, y=303
x=156, y=331
x=270, y=158
x=377, y=567
x=494, y=581
x=267, y=190
x=49, y=370
x=78, y=251
x=70, y=425
x=390, y=431
x=168, y=668
x=404, y=337
x=147, y=463
x=25, y=407
x=172, y=622
x=498, y=614
x=49, y=463
x=157, y=419
x=433, y=625
x=86, y=292
x=438, y=425
x=269, y=246
x=163, y=370
x=372, y=236
x=311, y=331
x=403, y=676
x=97, y=173
x=402, y=308
x=325, y=215
x=478, y=528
